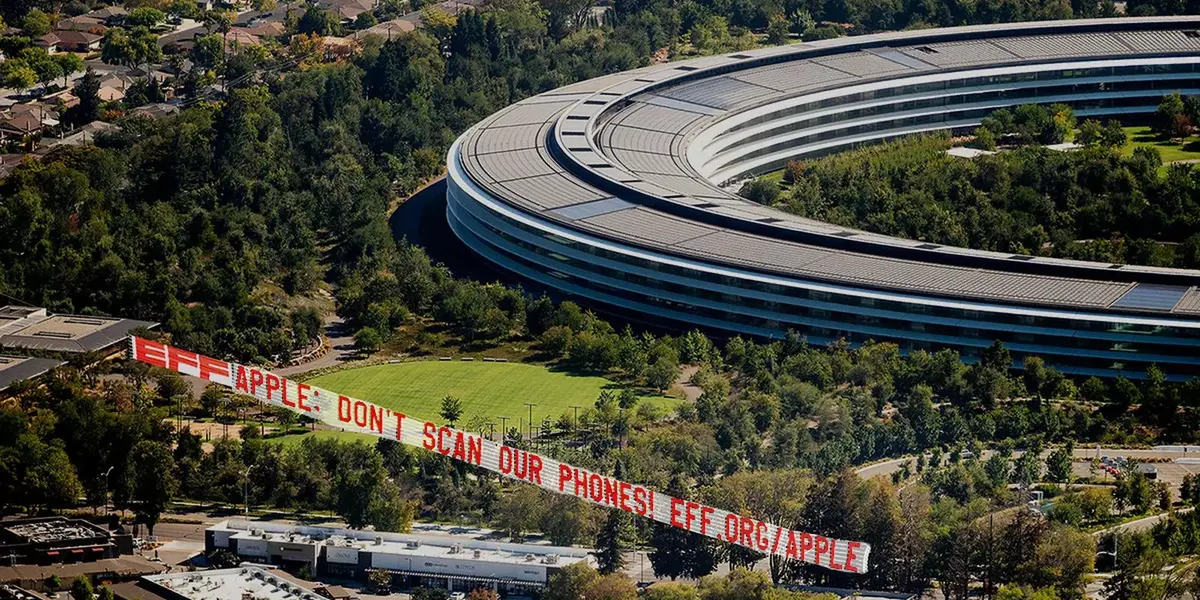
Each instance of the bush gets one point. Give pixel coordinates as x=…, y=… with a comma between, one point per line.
x=761, y=190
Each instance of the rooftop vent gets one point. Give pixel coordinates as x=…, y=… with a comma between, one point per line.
x=739, y=56
x=78, y=321
x=551, y=559
x=379, y=540
x=413, y=544
x=477, y=553
x=455, y=549
x=530, y=558
x=928, y=246
x=926, y=50
x=54, y=334
x=1020, y=257
x=686, y=68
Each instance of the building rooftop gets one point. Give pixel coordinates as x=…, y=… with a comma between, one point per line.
x=622, y=168
x=232, y=584
x=17, y=368
x=115, y=568
x=34, y=329
x=428, y=546
x=56, y=531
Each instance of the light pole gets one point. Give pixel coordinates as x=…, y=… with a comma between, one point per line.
x=575, y=427
x=530, y=405
x=106, y=474
x=246, y=488
x=503, y=429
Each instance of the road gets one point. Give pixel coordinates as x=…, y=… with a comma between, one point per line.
x=1143, y=524
x=1172, y=472
x=341, y=348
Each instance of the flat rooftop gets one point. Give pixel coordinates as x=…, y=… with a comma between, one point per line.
x=428, y=546
x=621, y=171
x=55, y=531
x=35, y=329
x=233, y=584
x=17, y=368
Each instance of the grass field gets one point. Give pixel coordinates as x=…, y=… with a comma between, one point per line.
x=1170, y=151
x=489, y=389
x=342, y=436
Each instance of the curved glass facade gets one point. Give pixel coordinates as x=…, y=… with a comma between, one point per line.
x=685, y=288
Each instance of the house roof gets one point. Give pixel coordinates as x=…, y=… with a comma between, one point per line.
x=77, y=38
x=50, y=39
x=242, y=38
x=386, y=29
x=109, y=93
x=18, y=368
x=108, y=12
x=25, y=123
x=81, y=23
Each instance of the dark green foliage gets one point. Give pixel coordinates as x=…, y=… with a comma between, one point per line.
x=1091, y=204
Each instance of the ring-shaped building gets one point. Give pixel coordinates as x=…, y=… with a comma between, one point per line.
x=610, y=190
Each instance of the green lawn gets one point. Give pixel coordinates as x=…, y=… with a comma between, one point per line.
x=1170, y=151
x=489, y=389
x=342, y=436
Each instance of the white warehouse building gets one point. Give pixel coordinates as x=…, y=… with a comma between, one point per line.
x=454, y=563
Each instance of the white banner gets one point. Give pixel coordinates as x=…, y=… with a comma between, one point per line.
x=360, y=416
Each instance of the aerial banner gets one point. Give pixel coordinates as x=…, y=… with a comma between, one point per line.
x=360, y=416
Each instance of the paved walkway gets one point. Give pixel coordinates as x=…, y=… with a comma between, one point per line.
x=341, y=348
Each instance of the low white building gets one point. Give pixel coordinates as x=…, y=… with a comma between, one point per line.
x=457, y=563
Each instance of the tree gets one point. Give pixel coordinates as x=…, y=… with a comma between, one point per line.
x=152, y=480
x=1171, y=120
x=613, y=586
x=985, y=139
x=380, y=580
x=452, y=409
x=612, y=541
x=778, y=30
x=1114, y=135
x=17, y=75
x=106, y=593
x=570, y=582
x=997, y=356
x=367, y=339
x=671, y=591
x=1058, y=464
x=36, y=23
x=81, y=589
x=762, y=191
x=520, y=511
x=144, y=16
x=481, y=593
x=1090, y=133
x=68, y=64
x=318, y=21
x=662, y=373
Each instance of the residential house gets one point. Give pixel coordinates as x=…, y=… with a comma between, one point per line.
x=48, y=42
x=18, y=127
x=386, y=30
x=109, y=14
x=111, y=93
x=347, y=10
x=8, y=162
x=238, y=37
x=82, y=23
x=82, y=136
x=78, y=41
x=156, y=111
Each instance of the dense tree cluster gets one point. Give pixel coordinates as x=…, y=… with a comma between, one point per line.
x=1091, y=204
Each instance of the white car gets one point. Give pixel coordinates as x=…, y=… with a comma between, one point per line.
x=458, y=596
